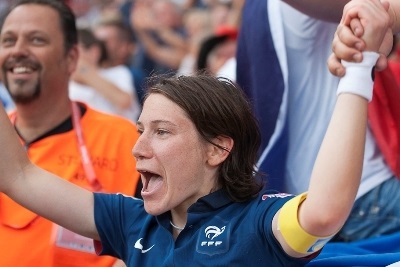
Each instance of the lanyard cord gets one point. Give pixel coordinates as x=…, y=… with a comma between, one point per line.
x=86, y=161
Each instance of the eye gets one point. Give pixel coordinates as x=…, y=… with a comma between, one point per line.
x=37, y=40
x=162, y=132
x=140, y=131
x=7, y=41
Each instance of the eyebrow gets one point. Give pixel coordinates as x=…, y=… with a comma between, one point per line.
x=32, y=31
x=155, y=122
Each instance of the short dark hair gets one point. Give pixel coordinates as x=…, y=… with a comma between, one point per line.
x=87, y=39
x=67, y=18
x=125, y=32
x=218, y=107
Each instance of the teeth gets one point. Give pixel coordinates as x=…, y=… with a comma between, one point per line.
x=19, y=70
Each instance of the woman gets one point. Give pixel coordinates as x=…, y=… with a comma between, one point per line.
x=202, y=204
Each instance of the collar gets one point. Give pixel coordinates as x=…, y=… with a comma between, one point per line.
x=210, y=202
x=63, y=127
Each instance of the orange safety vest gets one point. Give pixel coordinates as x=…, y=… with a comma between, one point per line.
x=27, y=240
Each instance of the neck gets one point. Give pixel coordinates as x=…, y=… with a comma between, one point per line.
x=33, y=120
x=178, y=221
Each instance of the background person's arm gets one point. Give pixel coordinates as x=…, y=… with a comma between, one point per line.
x=337, y=171
x=330, y=10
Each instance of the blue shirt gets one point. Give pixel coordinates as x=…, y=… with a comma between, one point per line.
x=219, y=232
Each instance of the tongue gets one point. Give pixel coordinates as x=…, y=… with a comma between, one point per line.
x=153, y=183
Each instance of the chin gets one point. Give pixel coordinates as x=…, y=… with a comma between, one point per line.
x=153, y=207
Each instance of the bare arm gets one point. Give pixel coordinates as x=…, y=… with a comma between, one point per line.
x=40, y=191
x=337, y=170
x=394, y=12
x=144, y=23
x=324, y=10
x=90, y=76
x=169, y=56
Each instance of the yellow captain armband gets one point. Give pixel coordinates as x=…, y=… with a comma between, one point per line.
x=294, y=235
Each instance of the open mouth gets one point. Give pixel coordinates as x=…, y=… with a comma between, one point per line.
x=22, y=70
x=151, y=181
x=21, y=66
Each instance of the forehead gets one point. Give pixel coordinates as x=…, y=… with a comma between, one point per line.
x=160, y=108
x=32, y=17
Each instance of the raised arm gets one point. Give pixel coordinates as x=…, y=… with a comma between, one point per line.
x=40, y=191
x=337, y=170
x=320, y=9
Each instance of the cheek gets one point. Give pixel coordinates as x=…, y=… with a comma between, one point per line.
x=2, y=57
x=185, y=158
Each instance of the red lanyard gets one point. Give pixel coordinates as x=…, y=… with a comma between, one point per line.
x=86, y=161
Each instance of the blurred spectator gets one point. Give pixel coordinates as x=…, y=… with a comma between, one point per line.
x=119, y=41
x=38, y=52
x=198, y=27
x=159, y=28
x=217, y=53
x=86, y=11
x=108, y=89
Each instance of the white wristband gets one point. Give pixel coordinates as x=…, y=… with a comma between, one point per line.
x=358, y=79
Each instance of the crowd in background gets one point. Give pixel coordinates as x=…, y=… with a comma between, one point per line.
x=123, y=42
x=150, y=36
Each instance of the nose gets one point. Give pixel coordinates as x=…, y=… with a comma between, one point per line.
x=142, y=148
x=19, y=49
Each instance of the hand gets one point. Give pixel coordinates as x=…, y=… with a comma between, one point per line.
x=365, y=25
x=142, y=17
x=83, y=72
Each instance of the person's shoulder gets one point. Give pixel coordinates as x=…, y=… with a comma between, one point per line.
x=272, y=198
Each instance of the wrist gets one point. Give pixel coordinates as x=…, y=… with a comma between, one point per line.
x=358, y=79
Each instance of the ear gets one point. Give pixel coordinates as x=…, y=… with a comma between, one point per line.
x=72, y=59
x=217, y=154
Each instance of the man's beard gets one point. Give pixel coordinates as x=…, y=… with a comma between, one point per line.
x=22, y=91
x=20, y=97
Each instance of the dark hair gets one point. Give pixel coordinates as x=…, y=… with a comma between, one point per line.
x=125, y=32
x=67, y=18
x=88, y=39
x=218, y=107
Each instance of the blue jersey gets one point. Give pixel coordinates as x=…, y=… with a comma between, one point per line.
x=218, y=232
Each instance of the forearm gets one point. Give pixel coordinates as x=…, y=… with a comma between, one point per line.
x=325, y=10
x=167, y=56
x=173, y=39
x=337, y=170
x=119, y=98
x=13, y=158
x=56, y=199
x=394, y=12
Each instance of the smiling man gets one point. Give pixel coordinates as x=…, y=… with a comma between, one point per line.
x=37, y=59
